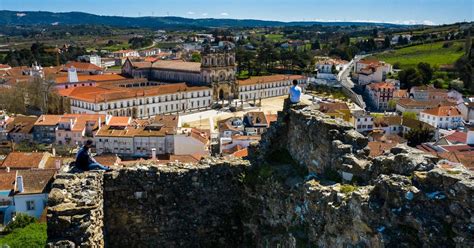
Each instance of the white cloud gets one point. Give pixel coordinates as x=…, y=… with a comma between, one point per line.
x=224, y=14
x=404, y=22
x=204, y=14
x=190, y=13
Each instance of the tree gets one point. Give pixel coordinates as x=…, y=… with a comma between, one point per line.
x=419, y=135
x=19, y=221
x=438, y=83
x=409, y=115
x=392, y=104
x=425, y=71
x=196, y=57
x=386, y=42
x=410, y=77
x=315, y=45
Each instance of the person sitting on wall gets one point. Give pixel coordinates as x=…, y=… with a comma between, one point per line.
x=295, y=92
x=85, y=162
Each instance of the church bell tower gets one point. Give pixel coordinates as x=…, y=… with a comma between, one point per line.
x=218, y=70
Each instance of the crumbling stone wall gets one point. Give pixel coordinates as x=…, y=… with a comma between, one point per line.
x=400, y=199
x=75, y=210
x=175, y=205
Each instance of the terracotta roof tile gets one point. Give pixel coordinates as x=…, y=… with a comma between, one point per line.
x=110, y=93
x=94, y=78
x=268, y=79
x=7, y=180
x=443, y=111
x=36, y=181
x=24, y=160
x=177, y=65
x=82, y=66
x=241, y=153
x=48, y=120
x=21, y=124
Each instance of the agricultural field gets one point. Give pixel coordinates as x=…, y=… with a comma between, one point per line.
x=274, y=37
x=435, y=54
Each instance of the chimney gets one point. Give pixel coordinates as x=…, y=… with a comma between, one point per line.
x=72, y=75
x=57, y=164
x=8, y=169
x=470, y=137
x=19, y=183
x=100, y=122
x=54, y=152
x=153, y=153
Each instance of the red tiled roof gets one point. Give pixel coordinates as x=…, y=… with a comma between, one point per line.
x=457, y=137
x=48, y=120
x=119, y=121
x=378, y=148
x=268, y=79
x=94, y=78
x=443, y=111
x=241, y=153
x=381, y=85
x=35, y=181
x=82, y=66
x=23, y=160
x=178, y=65
x=110, y=93
x=7, y=180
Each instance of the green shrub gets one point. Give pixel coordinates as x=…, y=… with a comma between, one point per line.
x=32, y=236
x=20, y=221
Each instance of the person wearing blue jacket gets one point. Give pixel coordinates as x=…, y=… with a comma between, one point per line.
x=85, y=162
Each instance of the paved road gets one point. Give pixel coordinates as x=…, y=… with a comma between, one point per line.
x=345, y=80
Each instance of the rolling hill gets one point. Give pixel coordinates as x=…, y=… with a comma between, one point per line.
x=77, y=18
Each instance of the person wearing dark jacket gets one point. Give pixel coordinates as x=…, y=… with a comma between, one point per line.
x=85, y=162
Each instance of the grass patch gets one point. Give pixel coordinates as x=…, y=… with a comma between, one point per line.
x=274, y=37
x=433, y=53
x=115, y=67
x=347, y=188
x=453, y=172
x=33, y=235
x=116, y=47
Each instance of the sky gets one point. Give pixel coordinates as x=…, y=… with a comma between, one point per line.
x=392, y=11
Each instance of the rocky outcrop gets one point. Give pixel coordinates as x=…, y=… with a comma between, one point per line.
x=400, y=199
x=75, y=210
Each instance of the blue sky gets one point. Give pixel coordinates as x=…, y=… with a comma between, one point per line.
x=394, y=11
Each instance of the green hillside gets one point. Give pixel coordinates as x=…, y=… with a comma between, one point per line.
x=435, y=54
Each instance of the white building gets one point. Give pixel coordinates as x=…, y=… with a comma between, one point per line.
x=445, y=117
x=126, y=53
x=380, y=94
x=362, y=121
x=368, y=71
x=191, y=141
x=93, y=59
x=324, y=68
x=256, y=88
x=24, y=191
x=140, y=102
x=128, y=137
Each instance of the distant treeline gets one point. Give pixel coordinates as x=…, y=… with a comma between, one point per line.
x=44, y=55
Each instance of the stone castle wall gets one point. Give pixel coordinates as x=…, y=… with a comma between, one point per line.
x=75, y=211
x=326, y=193
x=174, y=206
